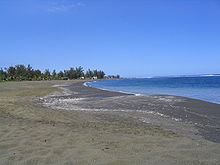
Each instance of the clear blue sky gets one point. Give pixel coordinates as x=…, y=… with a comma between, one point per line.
x=133, y=38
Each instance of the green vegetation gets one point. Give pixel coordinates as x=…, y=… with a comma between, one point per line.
x=21, y=72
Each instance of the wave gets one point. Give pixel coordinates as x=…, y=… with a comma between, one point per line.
x=130, y=93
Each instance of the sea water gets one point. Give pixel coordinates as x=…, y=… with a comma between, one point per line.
x=205, y=88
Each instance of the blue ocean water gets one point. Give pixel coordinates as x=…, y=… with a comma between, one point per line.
x=205, y=88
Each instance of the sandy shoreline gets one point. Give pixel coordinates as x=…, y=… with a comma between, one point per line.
x=43, y=124
x=200, y=115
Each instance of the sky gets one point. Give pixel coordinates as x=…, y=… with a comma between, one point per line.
x=133, y=38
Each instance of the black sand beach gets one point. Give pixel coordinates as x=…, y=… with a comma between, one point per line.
x=64, y=122
x=202, y=119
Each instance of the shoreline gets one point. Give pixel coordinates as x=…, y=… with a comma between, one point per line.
x=137, y=94
x=203, y=117
x=43, y=124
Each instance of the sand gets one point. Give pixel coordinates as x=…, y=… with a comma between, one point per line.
x=71, y=124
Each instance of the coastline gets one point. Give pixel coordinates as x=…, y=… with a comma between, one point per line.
x=85, y=84
x=205, y=95
x=138, y=94
x=64, y=122
x=202, y=116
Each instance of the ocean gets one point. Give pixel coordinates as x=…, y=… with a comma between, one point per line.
x=206, y=88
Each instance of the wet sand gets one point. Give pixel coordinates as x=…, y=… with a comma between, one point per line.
x=66, y=123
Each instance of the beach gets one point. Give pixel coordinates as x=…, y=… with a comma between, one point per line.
x=65, y=122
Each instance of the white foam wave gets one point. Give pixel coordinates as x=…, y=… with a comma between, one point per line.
x=209, y=75
x=86, y=84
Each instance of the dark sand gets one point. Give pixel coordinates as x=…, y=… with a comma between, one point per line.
x=201, y=115
x=41, y=124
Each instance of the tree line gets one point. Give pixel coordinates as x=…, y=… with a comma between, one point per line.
x=21, y=73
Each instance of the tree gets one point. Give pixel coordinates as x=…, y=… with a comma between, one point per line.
x=37, y=74
x=30, y=72
x=60, y=75
x=95, y=73
x=79, y=72
x=54, y=75
x=20, y=72
x=100, y=74
x=71, y=74
x=11, y=73
x=89, y=74
x=47, y=75
x=3, y=75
